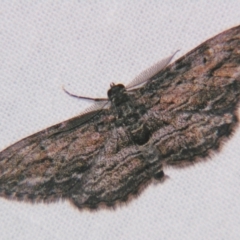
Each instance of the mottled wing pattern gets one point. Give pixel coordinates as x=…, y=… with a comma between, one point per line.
x=48, y=164
x=105, y=156
x=193, y=102
x=85, y=159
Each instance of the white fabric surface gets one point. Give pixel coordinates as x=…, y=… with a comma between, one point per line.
x=86, y=45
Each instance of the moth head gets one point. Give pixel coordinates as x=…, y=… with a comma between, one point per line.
x=116, y=91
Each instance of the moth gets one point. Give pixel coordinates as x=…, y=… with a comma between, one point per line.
x=173, y=115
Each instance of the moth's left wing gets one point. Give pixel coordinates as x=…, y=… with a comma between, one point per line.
x=47, y=165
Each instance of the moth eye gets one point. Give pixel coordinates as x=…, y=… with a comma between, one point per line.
x=204, y=60
x=109, y=93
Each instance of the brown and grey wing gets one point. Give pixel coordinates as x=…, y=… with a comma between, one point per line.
x=48, y=164
x=193, y=102
x=114, y=178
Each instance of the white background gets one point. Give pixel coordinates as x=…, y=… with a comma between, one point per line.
x=86, y=45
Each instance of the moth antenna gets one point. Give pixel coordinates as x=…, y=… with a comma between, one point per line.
x=86, y=98
x=144, y=76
